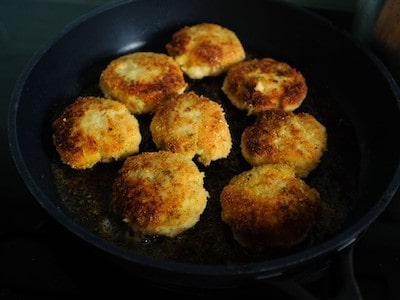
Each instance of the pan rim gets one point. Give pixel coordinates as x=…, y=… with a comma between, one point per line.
x=336, y=243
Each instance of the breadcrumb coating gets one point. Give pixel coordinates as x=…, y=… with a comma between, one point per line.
x=268, y=206
x=159, y=193
x=93, y=130
x=263, y=84
x=142, y=80
x=205, y=49
x=298, y=140
x=192, y=125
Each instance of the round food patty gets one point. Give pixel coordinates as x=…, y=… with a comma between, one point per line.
x=276, y=136
x=205, y=49
x=159, y=193
x=268, y=206
x=95, y=129
x=192, y=125
x=142, y=80
x=262, y=84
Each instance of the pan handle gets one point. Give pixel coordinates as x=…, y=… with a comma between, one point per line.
x=341, y=281
x=348, y=282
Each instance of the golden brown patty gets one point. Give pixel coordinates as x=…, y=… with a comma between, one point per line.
x=298, y=140
x=142, y=80
x=192, y=125
x=262, y=84
x=268, y=206
x=95, y=129
x=205, y=49
x=159, y=193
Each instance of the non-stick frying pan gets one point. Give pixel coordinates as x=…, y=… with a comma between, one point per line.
x=350, y=92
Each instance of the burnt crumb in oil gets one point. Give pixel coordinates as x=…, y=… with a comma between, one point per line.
x=87, y=194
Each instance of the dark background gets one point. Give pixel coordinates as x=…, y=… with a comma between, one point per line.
x=39, y=257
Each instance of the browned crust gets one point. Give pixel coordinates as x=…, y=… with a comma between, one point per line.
x=205, y=49
x=268, y=206
x=263, y=84
x=192, y=125
x=158, y=79
x=159, y=193
x=298, y=140
x=95, y=129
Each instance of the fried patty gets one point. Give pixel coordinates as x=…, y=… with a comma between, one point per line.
x=205, y=49
x=276, y=136
x=159, y=193
x=263, y=84
x=142, y=80
x=268, y=206
x=95, y=129
x=192, y=125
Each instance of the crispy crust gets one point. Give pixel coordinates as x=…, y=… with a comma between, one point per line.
x=159, y=193
x=263, y=84
x=205, y=49
x=268, y=206
x=142, y=80
x=298, y=140
x=95, y=129
x=192, y=125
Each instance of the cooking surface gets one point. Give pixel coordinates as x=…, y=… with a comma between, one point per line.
x=38, y=256
x=87, y=194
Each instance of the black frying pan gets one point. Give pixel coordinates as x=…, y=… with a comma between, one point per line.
x=350, y=92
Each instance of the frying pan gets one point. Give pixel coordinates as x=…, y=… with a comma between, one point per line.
x=350, y=92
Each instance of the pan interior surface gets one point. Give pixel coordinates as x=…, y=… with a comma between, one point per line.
x=210, y=241
x=353, y=175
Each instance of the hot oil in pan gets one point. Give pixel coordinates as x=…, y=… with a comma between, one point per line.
x=87, y=194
